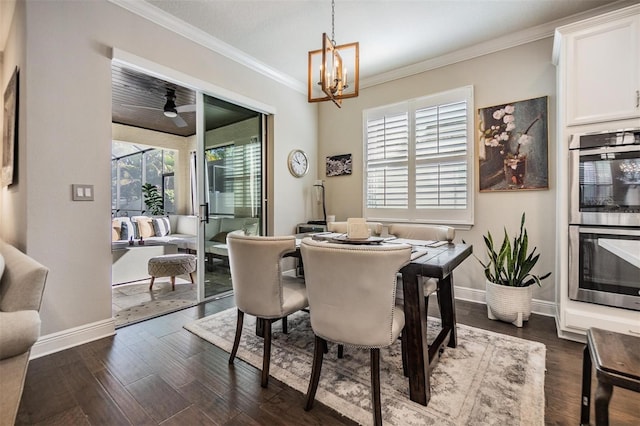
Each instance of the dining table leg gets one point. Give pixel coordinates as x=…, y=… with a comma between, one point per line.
x=415, y=333
x=448, y=307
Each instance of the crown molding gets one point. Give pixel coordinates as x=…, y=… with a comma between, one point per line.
x=158, y=16
x=501, y=43
x=587, y=23
x=168, y=21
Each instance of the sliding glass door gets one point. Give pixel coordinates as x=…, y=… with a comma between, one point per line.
x=231, y=193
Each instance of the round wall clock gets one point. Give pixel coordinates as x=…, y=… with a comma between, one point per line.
x=298, y=163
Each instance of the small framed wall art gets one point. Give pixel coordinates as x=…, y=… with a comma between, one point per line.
x=338, y=165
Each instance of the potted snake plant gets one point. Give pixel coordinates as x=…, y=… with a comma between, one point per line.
x=509, y=278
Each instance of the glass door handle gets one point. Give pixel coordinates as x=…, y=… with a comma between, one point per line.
x=204, y=213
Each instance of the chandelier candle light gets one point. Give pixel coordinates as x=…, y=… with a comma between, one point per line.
x=333, y=61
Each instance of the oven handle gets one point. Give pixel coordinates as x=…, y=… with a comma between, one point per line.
x=582, y=229
x=606, y=149
x=574, y=139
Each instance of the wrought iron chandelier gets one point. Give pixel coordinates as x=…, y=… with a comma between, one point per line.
x=333, y=62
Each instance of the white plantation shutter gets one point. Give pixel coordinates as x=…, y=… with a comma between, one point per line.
x=387, y=158
x=441, y=150
x=244, y=178
x=419, y=159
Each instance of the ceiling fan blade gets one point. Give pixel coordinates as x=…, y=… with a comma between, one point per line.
x=179, y=121
x=186, y=108
x=142, y=107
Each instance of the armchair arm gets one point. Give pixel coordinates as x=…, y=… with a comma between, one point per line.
x=22, y=282
x=19, y=331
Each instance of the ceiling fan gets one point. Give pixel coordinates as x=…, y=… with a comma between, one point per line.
x=170, y=109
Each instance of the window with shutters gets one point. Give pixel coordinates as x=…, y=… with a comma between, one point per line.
x=419, y=159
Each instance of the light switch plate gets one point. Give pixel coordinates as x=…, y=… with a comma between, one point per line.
x=82, y=192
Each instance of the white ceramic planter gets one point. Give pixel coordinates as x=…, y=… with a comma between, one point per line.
x=510, y=304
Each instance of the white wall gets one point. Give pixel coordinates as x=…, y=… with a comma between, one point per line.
x=13, y=199
x=65, y=138
x=514, y=74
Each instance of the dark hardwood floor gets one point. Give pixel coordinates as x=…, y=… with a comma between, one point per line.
x=155, y=372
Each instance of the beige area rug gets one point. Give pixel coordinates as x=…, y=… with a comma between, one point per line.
x=134, y=302
x=488, y=379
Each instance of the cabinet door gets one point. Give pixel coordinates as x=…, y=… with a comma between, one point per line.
x=603, y=73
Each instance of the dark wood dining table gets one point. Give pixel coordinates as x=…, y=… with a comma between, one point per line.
x=437, y=262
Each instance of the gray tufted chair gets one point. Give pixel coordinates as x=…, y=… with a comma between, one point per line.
x=424, y=232
x=352, y=292
x=341, y=227
x=260, y=288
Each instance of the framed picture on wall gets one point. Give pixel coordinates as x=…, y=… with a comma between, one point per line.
x=513, y=146
x=338, y=165
x=10, y=132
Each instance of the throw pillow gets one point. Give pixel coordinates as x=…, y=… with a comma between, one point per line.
x=115, y=230
x=145, y=228
x=125, y=230
x=220, y=237
x=251, y=229
x=161, y=226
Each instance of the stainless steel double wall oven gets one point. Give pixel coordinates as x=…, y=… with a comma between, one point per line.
x=604, y=230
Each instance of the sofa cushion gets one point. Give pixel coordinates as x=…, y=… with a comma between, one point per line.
x=161, y=226
x=229, y=224
x=212, y=228
x=185, y=224
x=19, y=330
x=248, y=224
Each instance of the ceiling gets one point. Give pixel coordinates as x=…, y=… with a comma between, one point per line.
x=392, y=33
x=138, y=100
x=397, y=38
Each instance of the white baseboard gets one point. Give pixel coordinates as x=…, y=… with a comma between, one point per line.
x=540, y=307
x=66, y=339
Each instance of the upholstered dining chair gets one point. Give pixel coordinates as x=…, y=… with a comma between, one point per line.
x=260, y=287
x=424, y=232
x=341, y=227
x=351, y=291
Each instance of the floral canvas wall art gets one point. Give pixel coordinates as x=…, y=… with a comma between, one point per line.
x=338, y=165
x=513, y=146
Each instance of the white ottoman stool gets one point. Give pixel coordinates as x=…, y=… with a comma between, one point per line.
x=170, y=265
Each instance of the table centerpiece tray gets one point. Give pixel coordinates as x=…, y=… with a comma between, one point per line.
x=346, y=240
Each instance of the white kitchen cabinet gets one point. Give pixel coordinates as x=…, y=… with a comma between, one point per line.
x=599, y=61
x=598, y=78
